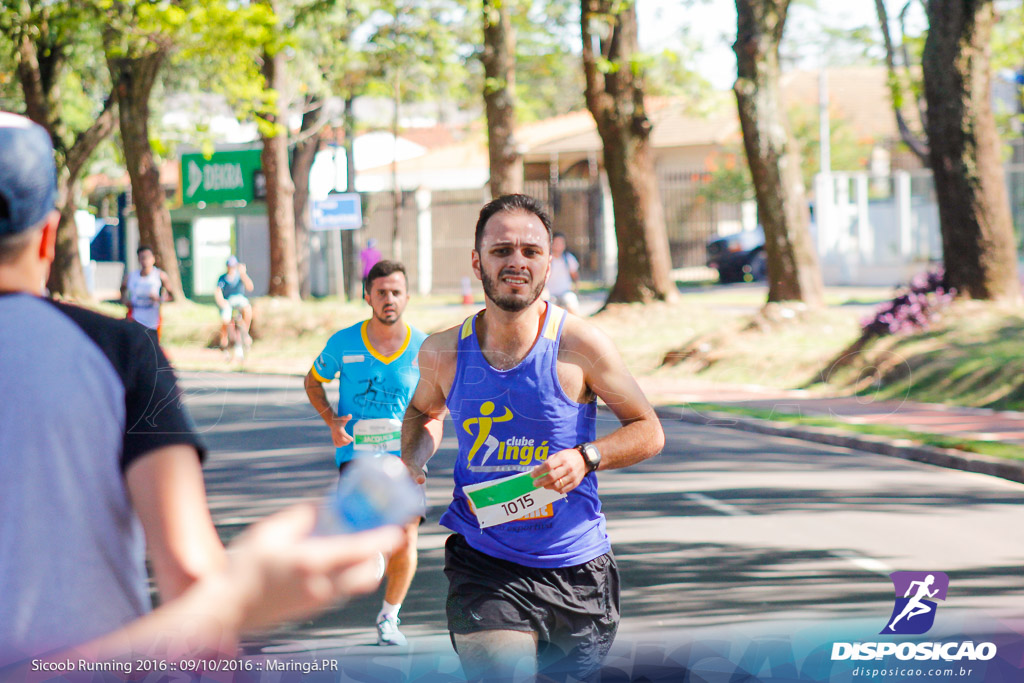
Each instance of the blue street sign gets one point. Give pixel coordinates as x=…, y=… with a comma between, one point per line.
x=337, y=212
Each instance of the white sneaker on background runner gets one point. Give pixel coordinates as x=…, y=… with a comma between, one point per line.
x=388, y=633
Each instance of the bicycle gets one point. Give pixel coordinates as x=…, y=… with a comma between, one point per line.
x=238, y=339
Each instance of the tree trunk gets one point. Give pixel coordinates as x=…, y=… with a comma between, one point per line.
x=133, y=80
x=284, y=277
x=33, y=85
x=38, y=77
x=302, y=163
x=773, y=156
x=348, y=240
x=498, y=58
x=66, y=275
x=615, y=98
x=974, y=212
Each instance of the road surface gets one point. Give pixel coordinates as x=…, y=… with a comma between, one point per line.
x=726, y=538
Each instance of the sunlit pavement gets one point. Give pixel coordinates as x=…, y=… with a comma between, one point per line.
x=725, y=540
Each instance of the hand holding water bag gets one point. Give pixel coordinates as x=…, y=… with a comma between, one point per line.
x=372, y=492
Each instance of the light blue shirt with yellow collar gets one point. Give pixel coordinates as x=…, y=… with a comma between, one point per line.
x=374, y=389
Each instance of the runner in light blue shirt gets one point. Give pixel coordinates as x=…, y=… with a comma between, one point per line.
x=375, y=362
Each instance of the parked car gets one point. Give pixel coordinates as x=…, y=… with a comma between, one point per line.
x=739, y=257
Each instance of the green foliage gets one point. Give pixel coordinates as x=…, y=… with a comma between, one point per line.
x=1008, y=56
x=549, y=74
x=411, y=50
x=66, y=37
x=730, y=181
x=847, y=151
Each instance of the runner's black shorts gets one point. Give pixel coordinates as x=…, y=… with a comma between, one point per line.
x=573, y=610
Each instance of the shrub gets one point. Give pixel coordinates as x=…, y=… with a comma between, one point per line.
x=913, y=308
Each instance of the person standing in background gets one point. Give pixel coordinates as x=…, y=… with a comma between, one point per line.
x=565, y=274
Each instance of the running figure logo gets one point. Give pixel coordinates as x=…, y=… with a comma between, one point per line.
x=483, y=435
x=914, y=612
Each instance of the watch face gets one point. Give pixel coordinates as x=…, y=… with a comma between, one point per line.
x=591, y=455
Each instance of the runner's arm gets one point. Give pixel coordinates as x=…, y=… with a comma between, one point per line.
x=318, y=399
x=218, y=296
x=246, y=280
x=125, y=300
x=165, y=283
x=424, y=417
x=167, y=492
x=640, y=435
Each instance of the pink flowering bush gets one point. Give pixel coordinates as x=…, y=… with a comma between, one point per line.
x=912, y=309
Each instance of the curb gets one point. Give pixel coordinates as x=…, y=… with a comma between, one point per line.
x=940, y=457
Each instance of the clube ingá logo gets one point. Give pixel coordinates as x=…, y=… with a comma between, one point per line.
x=914, y=610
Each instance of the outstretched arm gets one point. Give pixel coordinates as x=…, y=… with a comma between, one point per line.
x=276, y=571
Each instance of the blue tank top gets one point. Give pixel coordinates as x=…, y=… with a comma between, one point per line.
x=510, y=421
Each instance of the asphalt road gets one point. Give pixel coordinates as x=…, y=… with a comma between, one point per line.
x=726, y=537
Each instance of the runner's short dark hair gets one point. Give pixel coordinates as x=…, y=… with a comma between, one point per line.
x=142, y=248
x=513, y=203
x=383, y=269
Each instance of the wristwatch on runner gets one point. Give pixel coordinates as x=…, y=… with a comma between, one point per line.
x=591, y=456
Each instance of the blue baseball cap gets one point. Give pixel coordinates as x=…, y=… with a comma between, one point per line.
x=232, y=260
x=28, y=175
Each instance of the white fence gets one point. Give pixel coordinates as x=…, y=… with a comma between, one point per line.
x=882, y=230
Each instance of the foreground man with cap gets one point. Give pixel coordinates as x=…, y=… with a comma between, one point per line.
x=85, y=472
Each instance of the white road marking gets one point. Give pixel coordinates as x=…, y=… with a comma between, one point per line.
x=866, y=563
x=716, y=505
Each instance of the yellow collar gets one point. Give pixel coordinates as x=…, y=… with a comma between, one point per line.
x=373, y=352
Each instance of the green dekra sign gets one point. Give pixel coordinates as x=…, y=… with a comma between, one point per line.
x=223, y=177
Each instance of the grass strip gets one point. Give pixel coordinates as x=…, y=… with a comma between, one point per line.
x=996, y=449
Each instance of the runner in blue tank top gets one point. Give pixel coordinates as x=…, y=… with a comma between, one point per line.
x=375, y=361
x=533, y=591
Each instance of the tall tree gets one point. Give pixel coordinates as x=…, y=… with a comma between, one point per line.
x=134, y=62
x=499, y=59
x=305, y=148
x=140, y=38
x=773, y=155
x=615, y=96
x=47, y=43
x=978, y=243
x=284, y=274
x=896, y=70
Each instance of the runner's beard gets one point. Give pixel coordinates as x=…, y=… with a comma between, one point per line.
x=383, y=317
x=513, y=303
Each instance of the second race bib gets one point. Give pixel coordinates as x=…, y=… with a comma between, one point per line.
x=378, y=434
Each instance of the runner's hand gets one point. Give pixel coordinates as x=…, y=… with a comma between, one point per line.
x=338, y=434
x=416, y=472
x=562, y=472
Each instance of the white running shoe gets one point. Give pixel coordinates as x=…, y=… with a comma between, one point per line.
x=388, y=633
